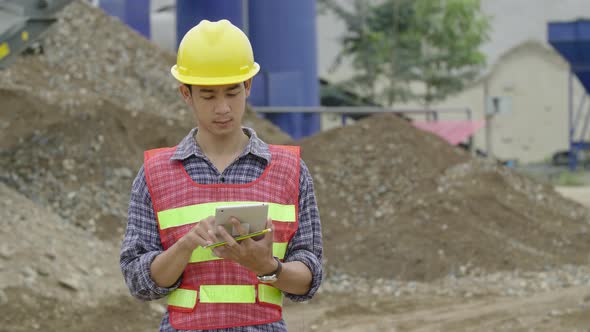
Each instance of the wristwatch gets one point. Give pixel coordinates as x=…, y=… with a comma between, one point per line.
x=273, y=276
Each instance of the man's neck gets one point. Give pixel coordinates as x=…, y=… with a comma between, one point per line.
x=228, y=146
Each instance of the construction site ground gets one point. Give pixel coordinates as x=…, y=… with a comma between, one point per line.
x=418, y=235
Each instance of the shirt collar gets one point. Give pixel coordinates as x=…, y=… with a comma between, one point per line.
x=189, y=147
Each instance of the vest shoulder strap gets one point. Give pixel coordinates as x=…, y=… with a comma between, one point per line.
x=153, y=152
x=290, y=148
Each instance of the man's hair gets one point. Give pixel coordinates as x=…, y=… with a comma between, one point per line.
x=190, y=87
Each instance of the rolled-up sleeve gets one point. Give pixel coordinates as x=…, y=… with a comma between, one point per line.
x=141, y=244
x=306, y=244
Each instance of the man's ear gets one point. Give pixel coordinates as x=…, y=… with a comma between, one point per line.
x=185, y=93
x=248, y=87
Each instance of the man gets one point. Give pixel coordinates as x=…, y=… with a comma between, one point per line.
x=238, y=286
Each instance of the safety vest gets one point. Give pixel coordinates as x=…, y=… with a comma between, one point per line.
x=219, y=293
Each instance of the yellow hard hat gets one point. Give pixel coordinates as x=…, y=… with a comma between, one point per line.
x=214, y=53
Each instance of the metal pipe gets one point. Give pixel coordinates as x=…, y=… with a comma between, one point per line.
x=488, y=118
x=352, y=110
x=586, y=120
x=579, y=111
x=570, y=107
x=572, y=154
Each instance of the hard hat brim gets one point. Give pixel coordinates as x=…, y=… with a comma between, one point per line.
x=197, y=80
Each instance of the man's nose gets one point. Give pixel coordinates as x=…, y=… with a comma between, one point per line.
x=222, y=106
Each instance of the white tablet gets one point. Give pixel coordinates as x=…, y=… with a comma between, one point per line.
x=251, y=216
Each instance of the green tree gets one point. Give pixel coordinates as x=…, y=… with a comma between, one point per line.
x=361, y=44
x=451, y=33
x=402, y=50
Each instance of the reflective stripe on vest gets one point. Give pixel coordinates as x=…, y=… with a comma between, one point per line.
x=187, y=298
x=204, y=255
x=270, y=294
x=184, y=298
x=194, y=213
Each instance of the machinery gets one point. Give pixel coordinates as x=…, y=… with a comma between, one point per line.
x=22, y=22
x=572, y=41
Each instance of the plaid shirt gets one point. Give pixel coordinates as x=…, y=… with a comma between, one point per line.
x=142, y=243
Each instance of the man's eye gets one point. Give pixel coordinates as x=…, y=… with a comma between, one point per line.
x=207, y=97
x=232, y=94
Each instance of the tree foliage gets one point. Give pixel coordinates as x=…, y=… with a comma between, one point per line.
x=404, y=50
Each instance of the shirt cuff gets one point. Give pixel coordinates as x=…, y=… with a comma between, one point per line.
x=156, y=292
x=314, y=265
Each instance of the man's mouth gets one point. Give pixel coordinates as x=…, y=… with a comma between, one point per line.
x=222, y=122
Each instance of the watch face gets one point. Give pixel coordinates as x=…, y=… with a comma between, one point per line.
x=270, y=278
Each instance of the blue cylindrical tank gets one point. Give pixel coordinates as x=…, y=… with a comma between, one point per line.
x=190, y=12
x=114, y=8
x=134, y=13
x=283, y=36
x=138, y=16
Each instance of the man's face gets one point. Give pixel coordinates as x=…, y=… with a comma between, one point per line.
x=218, y=109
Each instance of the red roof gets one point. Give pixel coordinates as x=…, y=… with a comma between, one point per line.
x=454, y=132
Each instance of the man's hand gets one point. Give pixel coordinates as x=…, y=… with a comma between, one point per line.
x=201, y=234
x=168, y=266
x=255, y=255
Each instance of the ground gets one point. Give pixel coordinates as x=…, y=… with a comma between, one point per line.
x=418, y=235
x=565, y=309
x=562, y=310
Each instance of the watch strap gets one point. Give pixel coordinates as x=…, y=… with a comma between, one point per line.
x=275, y=274
x=279, y=267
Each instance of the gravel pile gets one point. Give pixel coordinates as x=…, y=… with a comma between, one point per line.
x=469, y=283
x=81, y=114
x=89, y=56
x=398, y=203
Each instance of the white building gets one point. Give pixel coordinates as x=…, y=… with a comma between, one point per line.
x=534, y=77
x=521, y=66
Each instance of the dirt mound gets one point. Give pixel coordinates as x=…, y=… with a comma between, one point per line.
x=88, y=55
x=78, y=117
x=80, y=162
x=41, y=252
x=54, y=276
x=27, y=310
x=400, y=203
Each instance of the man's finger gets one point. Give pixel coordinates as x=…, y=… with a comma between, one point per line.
x=238, y=226
x=268, y=237
x=202, y=234
x=231, y=242
x=202, y=229
x=220, y=252
x=195, y=239
x=212, y=236
x=209, y=221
